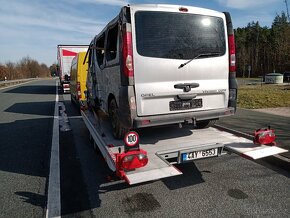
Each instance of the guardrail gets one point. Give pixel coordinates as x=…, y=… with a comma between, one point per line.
x=12, y=82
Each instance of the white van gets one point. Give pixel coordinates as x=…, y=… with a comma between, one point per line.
x=163, y=64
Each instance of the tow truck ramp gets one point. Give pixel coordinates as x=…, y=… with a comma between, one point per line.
x=252, y=151
x=169, y=145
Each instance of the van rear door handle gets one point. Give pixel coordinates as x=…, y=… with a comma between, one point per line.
x=186, y=86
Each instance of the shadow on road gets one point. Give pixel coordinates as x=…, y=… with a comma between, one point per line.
x=191, y=176
x=72, y=109
x=33, y=108
x=275, y=164
x=74, y=197
x=34, y=89
x=32, y=198
x=25, y=146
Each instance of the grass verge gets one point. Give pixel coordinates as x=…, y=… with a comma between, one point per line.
x=265, y=96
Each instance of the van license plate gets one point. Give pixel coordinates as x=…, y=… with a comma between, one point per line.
x=199, y=154
x=185, y=105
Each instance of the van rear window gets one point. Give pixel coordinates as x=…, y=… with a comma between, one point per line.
x=179, y=35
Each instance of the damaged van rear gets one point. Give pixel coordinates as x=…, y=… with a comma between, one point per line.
x=163, y=64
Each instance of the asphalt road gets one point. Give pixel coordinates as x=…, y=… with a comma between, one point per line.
x=25, y=130
x=229, y=186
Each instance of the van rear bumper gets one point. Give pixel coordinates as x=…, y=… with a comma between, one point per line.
x=182, y=117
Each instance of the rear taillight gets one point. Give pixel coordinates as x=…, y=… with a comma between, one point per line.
x=232, y=53
x=79, y=90
x=127, y=51
x=130, y=162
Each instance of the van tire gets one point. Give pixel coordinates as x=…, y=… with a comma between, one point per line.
x=88, y=102
x=72, y=100
x=119, y=130
x=205, y=124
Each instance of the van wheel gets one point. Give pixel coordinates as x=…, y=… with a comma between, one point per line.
x=90, y=106
x=205, y=124
x=72, y=100
x=118, y=130
x=88, y=102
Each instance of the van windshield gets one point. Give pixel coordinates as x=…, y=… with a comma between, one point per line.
x=178, y=35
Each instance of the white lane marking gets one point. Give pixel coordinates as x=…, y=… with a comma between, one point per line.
x=53, y=208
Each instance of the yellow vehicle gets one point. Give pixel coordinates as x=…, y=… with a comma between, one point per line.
x=78, y=78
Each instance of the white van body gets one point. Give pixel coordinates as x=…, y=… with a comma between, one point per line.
x=167, y=64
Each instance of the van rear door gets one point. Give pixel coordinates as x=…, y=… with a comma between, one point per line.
x=180, y=60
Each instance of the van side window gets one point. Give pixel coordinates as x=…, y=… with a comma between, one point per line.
x=100, y=49
x=111, y=48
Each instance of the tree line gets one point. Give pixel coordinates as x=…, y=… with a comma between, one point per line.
x=262, y=50
x=25, y=68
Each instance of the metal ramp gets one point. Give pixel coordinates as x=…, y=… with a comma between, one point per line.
x=166, y=145
x=254, y=151
x=246, y=148
x=155, y=169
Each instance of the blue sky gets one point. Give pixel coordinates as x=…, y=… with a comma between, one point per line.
x=34, y=28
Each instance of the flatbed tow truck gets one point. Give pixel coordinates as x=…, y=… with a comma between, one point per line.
x=157, y=150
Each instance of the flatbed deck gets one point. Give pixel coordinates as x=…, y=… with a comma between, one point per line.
x=166, y=145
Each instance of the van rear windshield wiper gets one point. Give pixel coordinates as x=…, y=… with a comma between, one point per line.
x=198, y=56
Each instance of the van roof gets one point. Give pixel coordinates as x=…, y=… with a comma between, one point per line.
x=175, y=8
x=162, y=7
